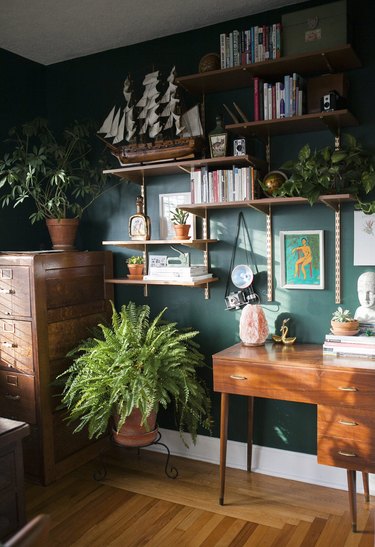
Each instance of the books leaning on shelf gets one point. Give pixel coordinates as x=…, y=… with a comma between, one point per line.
x=283, y=99
x=223, y=185
x=359, y=345
x=257, y=44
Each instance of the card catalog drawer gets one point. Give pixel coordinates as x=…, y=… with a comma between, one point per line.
x=16, y=345
x=15, y=291
x=17, y=397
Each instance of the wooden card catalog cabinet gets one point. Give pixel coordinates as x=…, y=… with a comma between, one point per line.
x=48, y=303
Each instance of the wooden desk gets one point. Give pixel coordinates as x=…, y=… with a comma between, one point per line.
x=12, y=501
x=343, y=388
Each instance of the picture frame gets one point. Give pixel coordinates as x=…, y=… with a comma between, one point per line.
x=302, y=259
x=364, y=239
x=167, y=203
x=218, y=145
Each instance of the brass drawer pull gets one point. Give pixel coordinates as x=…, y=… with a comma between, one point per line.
x=347, y=388
x=12, y=397
x=347, y=454
x=9, y=345
x=347, y=422
x=237, y=377
x=7, y=291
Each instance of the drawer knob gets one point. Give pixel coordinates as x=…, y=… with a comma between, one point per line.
x=12, y=397
x=347, y=454
x=347, y=422
x=237, y=377
x=347, y=388
x=7, y=291
x=9, y=345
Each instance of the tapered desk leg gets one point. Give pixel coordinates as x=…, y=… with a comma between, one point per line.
x=366, y=488
x=223, y=442
x=352, y=497
x=250, y=421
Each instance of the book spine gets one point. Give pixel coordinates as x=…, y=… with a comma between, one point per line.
x=222, y=51
x=339, y=345
x=357, y=340
x=349, y=351
x=256, y=99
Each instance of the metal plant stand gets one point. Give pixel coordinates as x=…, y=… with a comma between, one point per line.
x=169, y=470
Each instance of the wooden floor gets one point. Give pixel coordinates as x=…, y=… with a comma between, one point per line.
x=137, y=504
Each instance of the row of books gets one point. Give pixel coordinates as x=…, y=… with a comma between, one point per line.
x=223, y=185
x=257, y=44
x=279, y=100
x=360, y=345
x=185, y=274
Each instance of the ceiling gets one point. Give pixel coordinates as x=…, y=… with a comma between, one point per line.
x=50, y=31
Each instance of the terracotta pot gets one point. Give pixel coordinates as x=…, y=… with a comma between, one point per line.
x=132, y=433
x=182, y=231
x=63, y=233
x=135, y=271
x=344, y=329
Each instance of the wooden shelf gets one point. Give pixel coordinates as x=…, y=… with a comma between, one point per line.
x=265, y=204
x=332, y=60
x=200, y=283
x=296, y=124
x=142, y=245
x=136, y=172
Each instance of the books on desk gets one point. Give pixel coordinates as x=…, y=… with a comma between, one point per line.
x=359, y=345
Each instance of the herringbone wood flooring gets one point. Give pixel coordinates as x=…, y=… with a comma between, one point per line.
x=138, y=505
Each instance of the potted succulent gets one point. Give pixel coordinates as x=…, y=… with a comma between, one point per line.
x=57, y=172
x=179, y=219
x=133, y=367
x=351, y=169
x=343, y=323
x=135, y=266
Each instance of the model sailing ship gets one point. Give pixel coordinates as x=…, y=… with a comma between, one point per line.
x=138, y=132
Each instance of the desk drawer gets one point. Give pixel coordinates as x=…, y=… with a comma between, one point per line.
x=345, y=453
x=267, y=381
x=17, y=397
x=347, y=423
x=340, y=388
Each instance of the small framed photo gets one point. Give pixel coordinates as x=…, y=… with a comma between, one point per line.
x=302, y=259
x=167, y=203
x=218, y=145
x=157, y=261
x=364, y=239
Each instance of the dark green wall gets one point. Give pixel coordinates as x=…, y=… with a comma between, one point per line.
x=89, y=86
x=22, y=98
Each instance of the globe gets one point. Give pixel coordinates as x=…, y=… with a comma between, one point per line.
x=273, y=180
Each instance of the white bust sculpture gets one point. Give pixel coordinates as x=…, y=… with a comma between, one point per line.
x=365, y=313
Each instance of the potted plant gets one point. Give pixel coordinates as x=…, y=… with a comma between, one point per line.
x=57, y=172
x=179, y=219
x=351, y=169
x=135, y=267
x=343, y=323
x=132, y=368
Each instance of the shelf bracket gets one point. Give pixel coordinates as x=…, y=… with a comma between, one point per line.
x=338, y=255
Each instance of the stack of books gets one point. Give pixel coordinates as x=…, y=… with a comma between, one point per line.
x=359, y=345
x=185, y=274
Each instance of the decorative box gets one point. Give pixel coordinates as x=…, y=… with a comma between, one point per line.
x=312, y=29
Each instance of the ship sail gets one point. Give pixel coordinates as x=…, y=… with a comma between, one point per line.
x=150, y=120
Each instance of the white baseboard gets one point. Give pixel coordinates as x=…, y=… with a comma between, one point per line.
x=269, y=461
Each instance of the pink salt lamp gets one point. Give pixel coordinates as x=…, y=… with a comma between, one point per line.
x=253, y=325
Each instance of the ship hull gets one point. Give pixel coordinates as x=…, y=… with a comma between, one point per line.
x=157, y=151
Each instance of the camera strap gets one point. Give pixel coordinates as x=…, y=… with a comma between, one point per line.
x=249, y=251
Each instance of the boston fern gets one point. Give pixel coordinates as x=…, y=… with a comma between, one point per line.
x=136, y=363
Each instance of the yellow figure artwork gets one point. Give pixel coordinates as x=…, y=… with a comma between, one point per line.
x=304, y=258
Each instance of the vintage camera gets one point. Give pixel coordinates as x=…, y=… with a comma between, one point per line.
x=239, y=147
x=235, y=300
x=331, y=101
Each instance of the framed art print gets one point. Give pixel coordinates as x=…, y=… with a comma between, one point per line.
x=167, y=203
x=364, y=239
x=302, y=259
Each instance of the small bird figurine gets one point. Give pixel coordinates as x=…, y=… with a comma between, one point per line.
x=284, y=331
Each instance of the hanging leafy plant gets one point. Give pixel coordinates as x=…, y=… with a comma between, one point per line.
x=351, y=169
